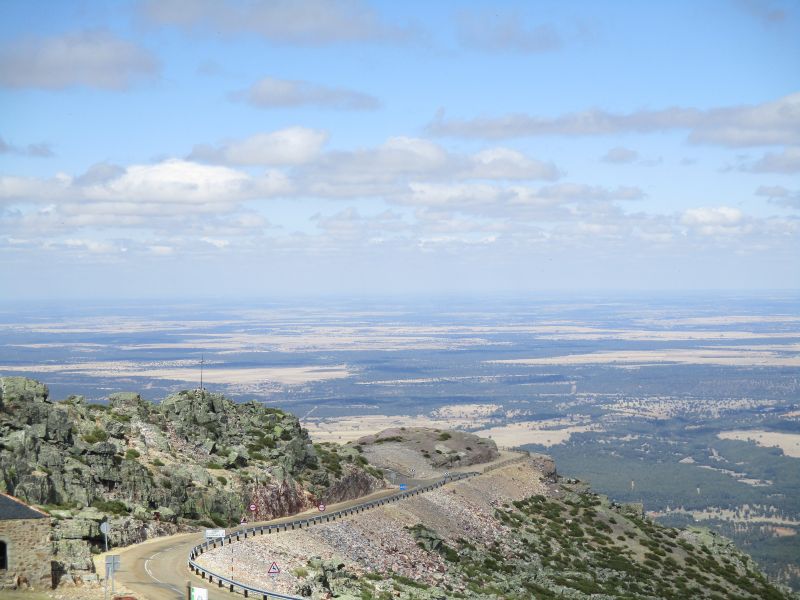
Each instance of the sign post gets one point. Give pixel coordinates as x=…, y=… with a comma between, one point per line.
x=213, y=534
x=112, y=566
x=105, y=528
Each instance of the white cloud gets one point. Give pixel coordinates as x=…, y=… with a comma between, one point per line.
x=173, y=195
x=460, y=196
x=389, y=168
x=93, y=59
x=495, y=31
x=280, y=93
x=504, y=163
x=40, y=150
x=619, y=155
x=373, y=171
x=787, y=161
x=577, y=192
x=719, y=215
x=306, y=22
x=712, y=221
x=172, y=181
x=290, y=146
x=770, y=123
x=777, y=194
x=93, y=246
x=516, y=202
x=351, y=224
x=219, y=244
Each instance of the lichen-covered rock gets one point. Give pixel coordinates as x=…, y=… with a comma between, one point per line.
x=197, y=459
x=18, y=390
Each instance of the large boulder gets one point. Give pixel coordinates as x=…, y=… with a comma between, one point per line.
x=17, y=390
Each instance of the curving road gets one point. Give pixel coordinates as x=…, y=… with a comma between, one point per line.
x=157, y=569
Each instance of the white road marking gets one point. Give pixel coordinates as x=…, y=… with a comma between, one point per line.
x=149, y=572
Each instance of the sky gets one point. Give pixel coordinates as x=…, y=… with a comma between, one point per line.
x=177, y=148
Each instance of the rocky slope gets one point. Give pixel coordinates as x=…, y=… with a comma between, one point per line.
x=422, y=453
x=514, y=533
x=195, y=459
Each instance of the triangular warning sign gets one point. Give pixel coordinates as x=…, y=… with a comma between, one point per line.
x=273, y=569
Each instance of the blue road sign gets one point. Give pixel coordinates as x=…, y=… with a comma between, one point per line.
x=403, y=486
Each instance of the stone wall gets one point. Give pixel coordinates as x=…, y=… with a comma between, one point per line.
x=29, y=553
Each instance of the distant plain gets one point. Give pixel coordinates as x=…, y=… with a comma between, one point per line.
x=691, y=405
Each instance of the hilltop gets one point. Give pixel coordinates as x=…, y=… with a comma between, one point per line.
x=196, y=459
x=422, y=452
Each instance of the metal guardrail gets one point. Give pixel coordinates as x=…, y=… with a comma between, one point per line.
x=244, y=533
x=524, y=455
x=234, y=586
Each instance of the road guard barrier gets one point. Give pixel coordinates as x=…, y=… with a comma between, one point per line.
x=249, y=591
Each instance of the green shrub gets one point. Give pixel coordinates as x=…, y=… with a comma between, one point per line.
x=444, y=436
x=115, y=507
x=222, y=480
x=391, y=438
x=409, y=582
x=157, y=463
x=132, y=454
x=94, y=436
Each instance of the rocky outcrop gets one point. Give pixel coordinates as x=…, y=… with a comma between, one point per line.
x=435, y=449
x=196, y=459
x=354, y=484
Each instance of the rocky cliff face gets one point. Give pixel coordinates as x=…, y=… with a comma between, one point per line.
x=196, y=459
